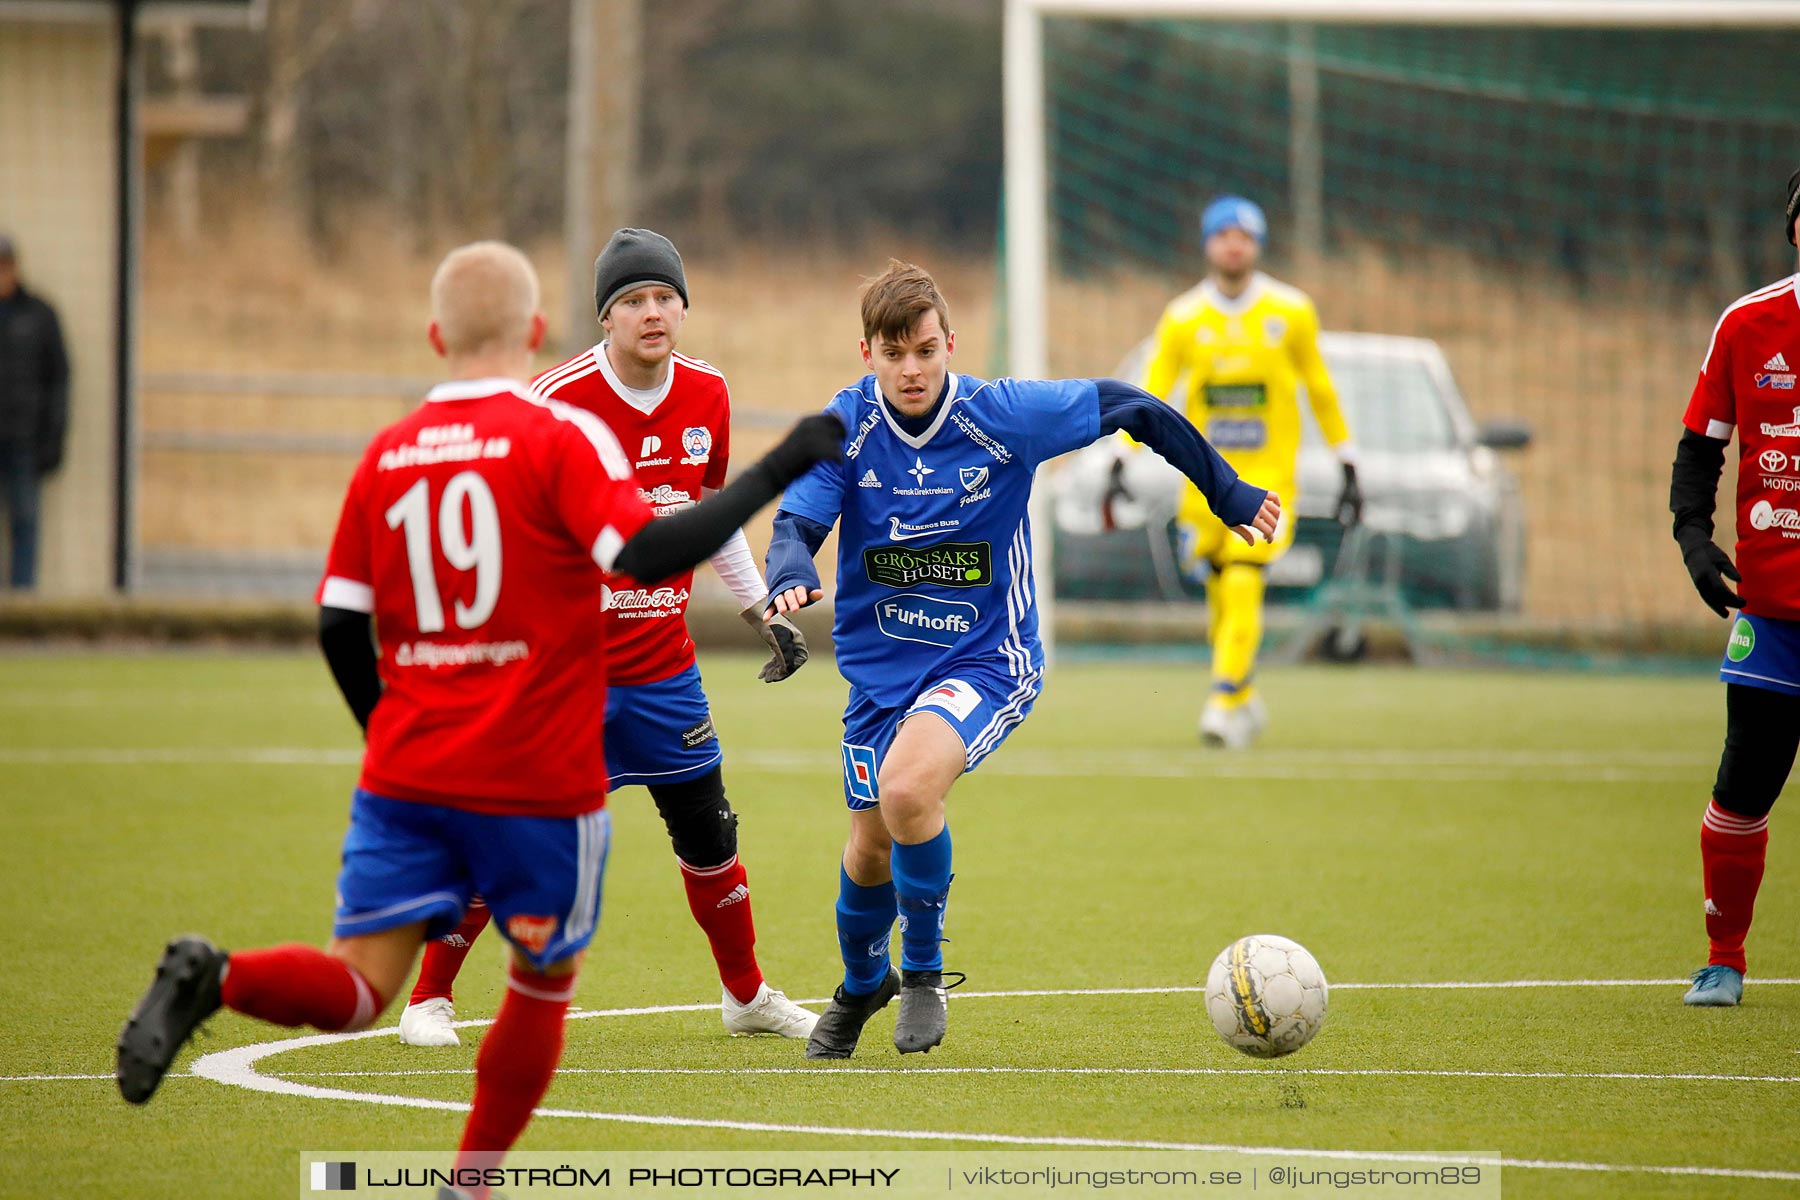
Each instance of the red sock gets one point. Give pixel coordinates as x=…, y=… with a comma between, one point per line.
x=299, y=985
x=1731, y=854
x=444, y=957
x=719, y=898
x=518, y=1056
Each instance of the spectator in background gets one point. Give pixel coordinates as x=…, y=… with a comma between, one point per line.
x=34, y=408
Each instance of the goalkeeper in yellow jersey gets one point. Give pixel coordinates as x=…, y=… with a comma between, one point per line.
x=1244, y=344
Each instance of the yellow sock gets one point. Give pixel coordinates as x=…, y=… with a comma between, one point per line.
x=1235, y=596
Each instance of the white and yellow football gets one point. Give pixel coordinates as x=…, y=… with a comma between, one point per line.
x=1266, y=995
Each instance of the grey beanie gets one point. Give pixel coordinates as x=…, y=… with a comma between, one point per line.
x=632, y=258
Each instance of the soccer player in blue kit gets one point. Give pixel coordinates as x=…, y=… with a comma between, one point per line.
x=936, y=612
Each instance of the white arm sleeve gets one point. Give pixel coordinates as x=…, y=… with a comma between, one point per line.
x=736, y=565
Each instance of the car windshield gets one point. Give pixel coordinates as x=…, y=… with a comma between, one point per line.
x=1391, y=403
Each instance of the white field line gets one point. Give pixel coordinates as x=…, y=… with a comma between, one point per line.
x=152, y=698
x=1265, y=1072
x=238, y=1068
x=1172, y=763
x=834, y=1073
x=64, y=1078
x=1429, y=985
x=155, y=756
x=824, y=761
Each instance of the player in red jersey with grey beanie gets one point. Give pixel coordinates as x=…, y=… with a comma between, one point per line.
x=672, y=416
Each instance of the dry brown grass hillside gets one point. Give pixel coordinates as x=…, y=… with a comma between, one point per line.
x=1602, y=377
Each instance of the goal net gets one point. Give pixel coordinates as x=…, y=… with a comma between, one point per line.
x=1507, y=228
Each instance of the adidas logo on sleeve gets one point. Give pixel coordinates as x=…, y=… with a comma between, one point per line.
x=1778, y=363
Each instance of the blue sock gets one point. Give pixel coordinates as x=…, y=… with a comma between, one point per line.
x=922, y=883
x=865, y=921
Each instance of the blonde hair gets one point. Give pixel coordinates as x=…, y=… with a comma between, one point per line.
x=483, y=297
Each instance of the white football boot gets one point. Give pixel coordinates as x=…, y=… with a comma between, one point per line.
x=1227, y=728
x=769, y=1012
x=427, y=1023
x=1258, y=714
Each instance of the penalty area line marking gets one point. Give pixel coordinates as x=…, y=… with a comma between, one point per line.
x=237, y=1068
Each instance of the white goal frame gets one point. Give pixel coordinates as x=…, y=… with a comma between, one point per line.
x=1026, y=172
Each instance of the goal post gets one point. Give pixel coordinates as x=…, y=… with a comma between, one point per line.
x=1617, y=191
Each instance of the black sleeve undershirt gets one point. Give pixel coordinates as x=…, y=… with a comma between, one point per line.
x=670, y=545
x=1694, y=485
x=344, y=636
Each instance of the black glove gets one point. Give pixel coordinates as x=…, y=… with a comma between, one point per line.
x=815, y=439
x=1350, y=501
x=784, y=639
x=1710, y=567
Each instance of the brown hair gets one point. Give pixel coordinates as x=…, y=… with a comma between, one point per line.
x=894, y=302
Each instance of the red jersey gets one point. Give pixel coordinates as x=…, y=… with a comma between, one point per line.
x=477, y=532
x=1747, y=384
x=679, y=440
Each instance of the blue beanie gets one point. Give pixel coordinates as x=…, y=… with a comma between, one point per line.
x=1233, y=212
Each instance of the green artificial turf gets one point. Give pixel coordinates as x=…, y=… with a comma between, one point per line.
x=1405, y=826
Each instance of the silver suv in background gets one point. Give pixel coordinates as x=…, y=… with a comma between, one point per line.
x=1444, y=512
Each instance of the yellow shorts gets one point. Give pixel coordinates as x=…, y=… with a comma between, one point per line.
x=1206, y=538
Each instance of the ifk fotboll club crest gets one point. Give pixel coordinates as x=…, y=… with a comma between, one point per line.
x=696, y=443
x=974, y=478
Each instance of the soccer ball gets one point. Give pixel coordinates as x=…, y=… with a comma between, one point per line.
x=1266, y=995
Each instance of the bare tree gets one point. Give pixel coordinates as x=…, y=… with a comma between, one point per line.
x=301, y=33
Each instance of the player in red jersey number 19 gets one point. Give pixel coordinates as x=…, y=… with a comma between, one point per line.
x=475, y=539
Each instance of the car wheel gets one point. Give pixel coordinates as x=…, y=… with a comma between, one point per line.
x=1344, y=644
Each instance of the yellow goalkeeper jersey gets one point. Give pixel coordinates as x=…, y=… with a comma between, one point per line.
x=1243, y=359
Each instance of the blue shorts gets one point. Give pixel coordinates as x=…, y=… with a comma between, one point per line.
x=406, y=861
x=659, y=732
x=1763, y=652
x=982, y=702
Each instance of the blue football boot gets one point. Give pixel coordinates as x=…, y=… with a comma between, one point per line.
x=1717, y=986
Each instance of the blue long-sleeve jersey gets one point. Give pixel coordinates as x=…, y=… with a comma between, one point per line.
x=934, y=546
